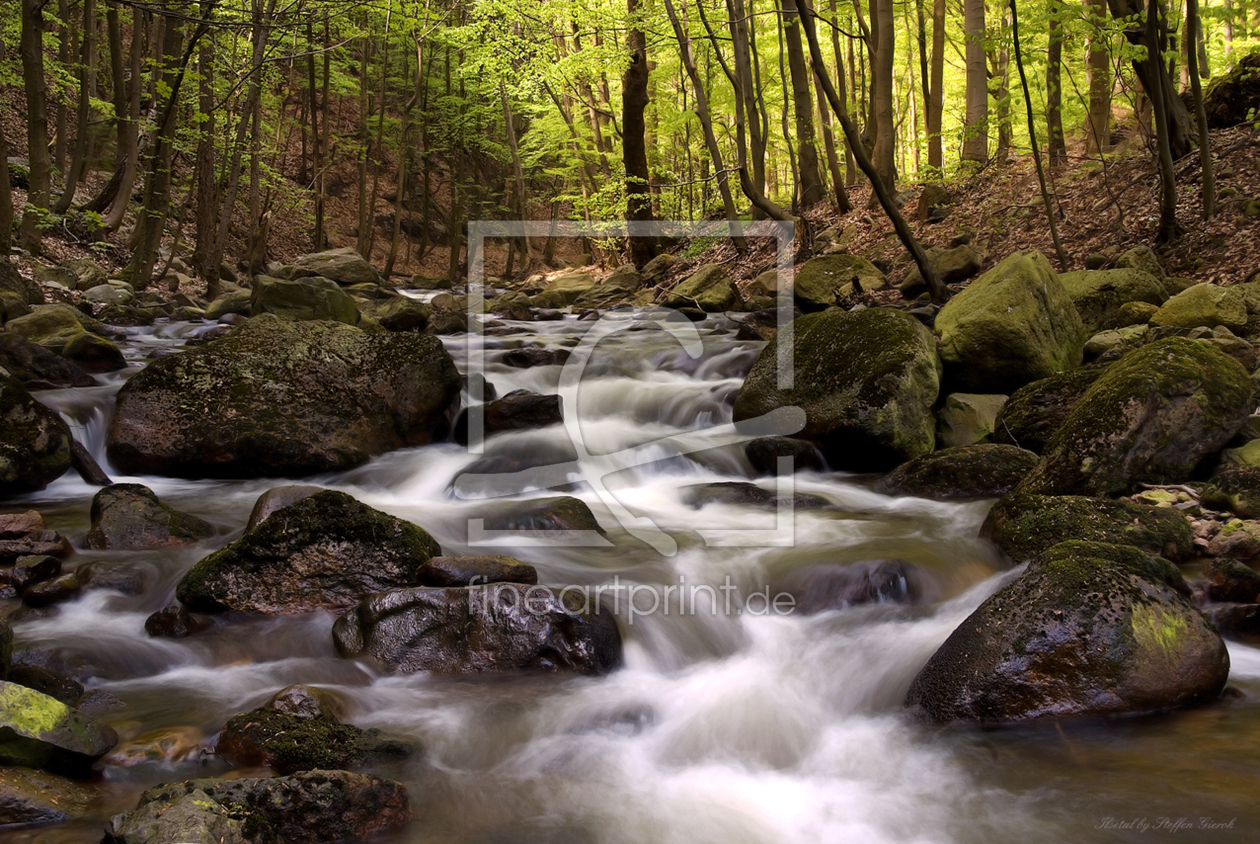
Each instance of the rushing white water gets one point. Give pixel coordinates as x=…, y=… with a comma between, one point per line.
x=727, y=723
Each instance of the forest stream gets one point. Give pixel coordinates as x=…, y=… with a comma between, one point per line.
x=736, y=724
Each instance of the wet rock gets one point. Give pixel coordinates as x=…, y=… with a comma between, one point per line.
x=520, y=410
x=37, y=368
x=1230, y=580
x=500, y=627
x=288, y=744
x=86, y=466
x=38, y=731
x=314, y=807
x=124, y=578
x=471, y=571
x=613, y=292
x=563, y=515
x=322, y=552
x=174, y=622
x=1035, y=411
x=32, y=569
x=1150, y=418
x=167, y=746
x=967, y=419
x=570, y=286
x=1099, y=295
x=307, y=702
x=531, y=356
x=344, y=266
x=1013, y=325
x=738, y=494
x=94, y=354
x=866, y=381
x=238, y=302
x=1025, y=525
x=764, y=453
x=1236, y=489
x=398, y=313
x=6, y=648
x=18, y=525
x=1237, y=538
x=822, y=588
x=50, y=326
x=972, y=471
x=1088, y=630
x=306, y=298
x=1237, y=621
x=761, y=325
x=53, y=591
x=47, y=682
x=709, y=288
x=31, y=798
x=34, y=441
x=444, y=322
x=277, y=498
x=280, y=398
x=129, y=517
x=35, y=544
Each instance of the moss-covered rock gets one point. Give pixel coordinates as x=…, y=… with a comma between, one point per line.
x=277, y=398
x=34, y=441
x=288, y=744
x=984, y=470
x=1151, y=418
x=866, y=381
x=51, y=326
x=569, y=286
x=39, y=731
x=306, y=298
x=93, y=354
x=37, y=368
x=396, y=313
x=1089, y=630
x=1206, y=305
x=1099, y=295
x=313, y=807
x=496, y=627
x=951, y=265
x=1035, y=411
x=1025, y=525
x=613, y=292
x=820, y=281
x=235, y=302
x=1236, y=489
x=1238, y=538
x=967, y=419
x=344, y=266
x=709, y=288
x=1141, y=258
x=1229, y=580
x=129, y=517
x=764, y=453
x=1013, y=325
x=322, y=552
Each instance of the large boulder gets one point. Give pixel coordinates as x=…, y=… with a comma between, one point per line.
x=309, y=297
x=1035, y=411
x=951, y=265
x=519, y=410
x=821, y=281
x=616, y=290
x=313, y=807
x=322, y=552
x=1206, y=305
x=1142, y=258
x=866, y=381
x=1011, y=326
x=1234, y=97
x=967, y=419
x=1100, y=294
x=37, y=368
x=129, y=517
x=277, y=398
x=288, y=744
x=34, y=441
x=93, y=354
x=709, y=288
x=499, y=627
x=571, y=285
x=50, y=326
x=1236, y=489
x=1089, y=629
x=1150, y=418
x=234, y=302
x=984, y=470
x=39, y=731
x=1024, y=525
x=344, y=266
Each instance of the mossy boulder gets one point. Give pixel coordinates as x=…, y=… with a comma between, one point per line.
x=288, y=744
x=129, y=517
x=37, y=368
x=1206, y=305
x=1151, y=417
x=396, y=313
x=1024, y=525
x=1099, y=295
x=93, y=354
x=764, y=453
x=1011, y=326
x=866, y=381
x=613, y=292
x=34, y=441
x=569, y=286
x=1141, y=258
x=495, y=627
x=277, y=398
x=235, y=302
x=951, y=265
x=820, y=281
x=709, y=288
x=323, y=552
x=1230, y=580
x=309, y=297
x=1035, y=411
x=344, y=266
x=1089, y=630
x=984, y=470
x=39, y=731
x=312, y=807
x=967, y=419
x=1236, y=489
x=1238, y=538
x=51, y=326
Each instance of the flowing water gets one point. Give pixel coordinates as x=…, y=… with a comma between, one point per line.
x=729, y=722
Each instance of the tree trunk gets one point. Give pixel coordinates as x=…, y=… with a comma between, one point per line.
x=747, y=92
x=785, y=127
x=129, y=130
x=881, y=84
x=38, y=196
x=634, y=86
x=1002, y=71
x=64, y=52
x=518, y=174
x=87, y=81
x=1156, y=70
x=365, y=139
x=1154, y=75
x=936, y=106
x=1194, y=26
x=317, y=163
x=1098, y=65
x=843, y=205
x=1054, y=87
x=207, y=201
x=812, y=190
x=6, y=195
x=976, y=125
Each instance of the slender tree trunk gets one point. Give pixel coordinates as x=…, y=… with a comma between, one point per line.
x=747, y=91
x=1054, y=86
x=1002, y=70
x=518, y=173
x=64, y=52
x=83, y=114
x=785, y=127
x=38, y=196
x=317, y=163
x=850, y=167
x=365, y=139
x=1227, y=30
x=1194, y=25
x=1169, y=228
x=812, y=190
x=936, y=106
x=1180, y=134
x=379, y=160
x=129, y=131
x=882, y=86
x=207, y=201
x=6, y=195
x=976, y=125
x=843, y=205
x=1098, y=65
x=634, y=87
